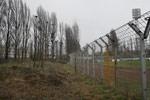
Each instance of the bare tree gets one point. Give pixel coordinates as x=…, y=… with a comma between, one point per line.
x=25, y=28
x=75, y=29
x=72, y=39
x=61, y=36
x=8, y=27
x=68, y=36
x=16, y=35
x=47, y=36
x=53, y=32
x=113, y=42
x=3, y=23
x=42, y=33
x=35, y=36
x=16, y=25
x=27, y=31
x=31, y=49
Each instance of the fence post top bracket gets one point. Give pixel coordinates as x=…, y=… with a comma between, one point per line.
x=104, y=41
x=110, y=38
x=90, y=47
x=135, y=28
x=98, y=44
x=147, y=29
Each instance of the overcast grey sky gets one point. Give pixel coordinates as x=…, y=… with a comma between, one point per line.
x=94, y=17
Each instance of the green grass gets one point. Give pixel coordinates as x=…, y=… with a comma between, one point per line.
x=129, y=64
x=91, y=89
x=1, y=65
x=131, y=88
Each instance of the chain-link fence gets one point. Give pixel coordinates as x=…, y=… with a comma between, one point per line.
x=121, y=58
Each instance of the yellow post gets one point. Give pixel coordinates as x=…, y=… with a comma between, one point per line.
x=108, y=68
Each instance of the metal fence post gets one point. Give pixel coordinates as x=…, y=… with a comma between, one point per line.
x=115, y=53
x=142, y=52
x=101, y=67
x=143, y=59
x=101, y=64
x=93, y=61
x=93, y=65
x=75, y=61
x=108, y=67
x=88, y=61
x=71, y=59
x=79, y=60
x=114, y=41
x=84, y=61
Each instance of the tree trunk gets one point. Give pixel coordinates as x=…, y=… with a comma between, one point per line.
x=52, y=50
x=7, y=40
x=26, y=41
x=60, y=51
x=7, y=47
x=15, y=55
x=23, y=45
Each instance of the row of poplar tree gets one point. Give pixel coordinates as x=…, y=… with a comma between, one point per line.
x=40, y=36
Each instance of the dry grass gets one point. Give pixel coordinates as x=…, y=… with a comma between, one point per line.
x=53, y=81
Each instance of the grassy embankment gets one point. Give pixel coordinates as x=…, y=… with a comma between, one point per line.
x=53, y=81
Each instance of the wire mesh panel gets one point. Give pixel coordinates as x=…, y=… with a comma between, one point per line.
x=98, y=62
x=79, y=63
x=147, y=42
x=128, y=73
x=78, y=60
x=87, y=60
x=118, y=58
x=72, y=59
x=84, y=60
x=91, y=64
